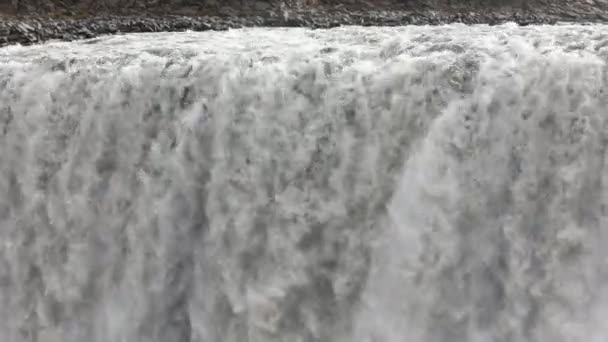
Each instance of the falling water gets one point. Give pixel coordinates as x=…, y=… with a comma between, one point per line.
x=415, y=184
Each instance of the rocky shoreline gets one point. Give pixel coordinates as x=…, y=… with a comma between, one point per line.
x=36, y=29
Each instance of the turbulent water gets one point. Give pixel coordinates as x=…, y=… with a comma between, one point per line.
x=419, y=184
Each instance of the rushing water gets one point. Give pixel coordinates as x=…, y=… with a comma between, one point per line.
x=418, y=184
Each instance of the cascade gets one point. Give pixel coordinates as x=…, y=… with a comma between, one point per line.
x=420, y=184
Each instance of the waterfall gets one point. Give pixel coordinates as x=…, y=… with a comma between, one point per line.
x=419, y=184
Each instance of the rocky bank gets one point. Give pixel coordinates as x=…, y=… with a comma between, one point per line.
x=24, y=22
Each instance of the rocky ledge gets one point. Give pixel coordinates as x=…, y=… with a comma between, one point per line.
x=33, y=29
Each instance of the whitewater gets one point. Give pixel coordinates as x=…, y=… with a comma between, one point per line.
x=411, y=184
